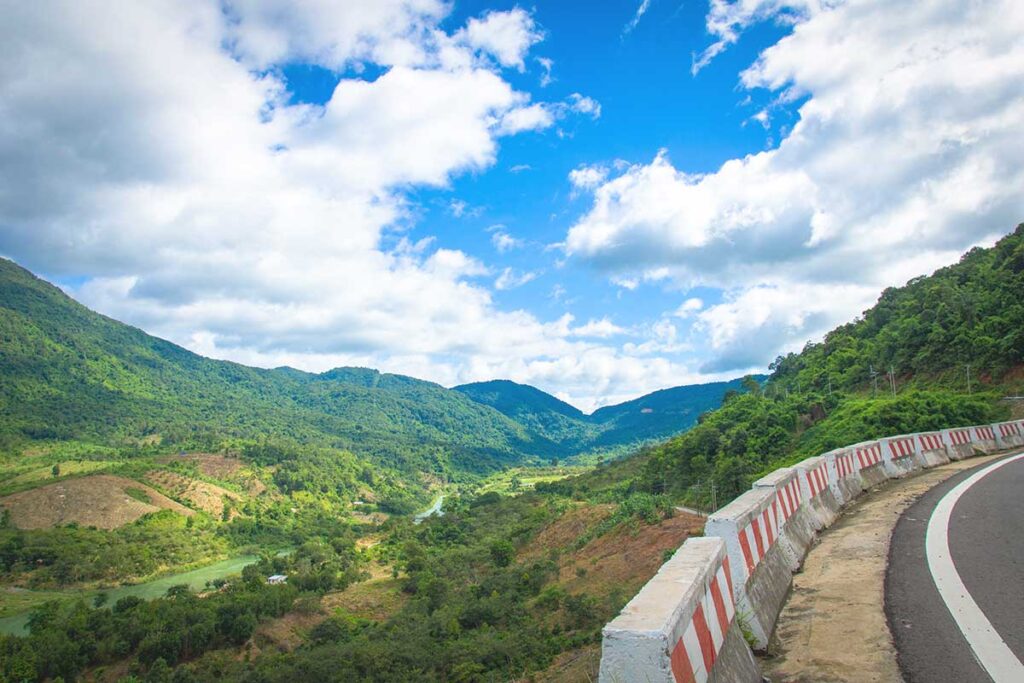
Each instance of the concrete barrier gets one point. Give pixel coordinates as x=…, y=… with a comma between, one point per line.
x=796, y=528
x=816, y=489
x=1009, y=434
x=761, y=570
x=900, y=455
x=958, y=442
x=684, y=625
x=932, y=448
x=844, y=474
x=681, y=627
x=983, y=438
x=870, y=463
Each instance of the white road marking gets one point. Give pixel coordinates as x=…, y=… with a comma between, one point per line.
x=989, y=648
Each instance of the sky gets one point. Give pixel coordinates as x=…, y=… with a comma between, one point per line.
x=598, y=199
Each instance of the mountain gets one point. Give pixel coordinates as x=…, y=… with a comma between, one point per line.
x=966, y=317
x=72, y=375
x=654, y=416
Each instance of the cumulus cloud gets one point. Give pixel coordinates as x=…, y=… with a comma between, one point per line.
x=584, y=105
x=601, y=328
x=905, y=154
x=157, y=159
x=505, y=35
x=533, y=117
x=503, y=241
x=588, y=177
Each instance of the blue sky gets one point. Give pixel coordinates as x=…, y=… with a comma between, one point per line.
x=590, y=198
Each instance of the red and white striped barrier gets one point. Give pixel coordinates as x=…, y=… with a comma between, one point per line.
x=796, y=527
x=870, y=463
x=693, y=656
x=816, y=489
x=868, y=454
x=681, y=626
x=901, y=446
x=1011, y=434
x=752, y=527
x=958, y=442
x=900, y=455
x=985, y=438
x=844, y=471
x=932, y=449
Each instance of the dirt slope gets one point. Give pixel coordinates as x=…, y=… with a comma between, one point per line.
x=100, y=500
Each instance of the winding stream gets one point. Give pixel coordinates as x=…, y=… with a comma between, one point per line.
x=196, y=579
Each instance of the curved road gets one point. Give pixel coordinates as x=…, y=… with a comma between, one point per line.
x=959, y=550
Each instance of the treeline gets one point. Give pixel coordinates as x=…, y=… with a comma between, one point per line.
x=68, y=638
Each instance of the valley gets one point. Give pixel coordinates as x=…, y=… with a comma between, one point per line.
x=176, y=511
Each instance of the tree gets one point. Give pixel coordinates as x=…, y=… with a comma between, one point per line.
x=502, y=552
x=55, y=470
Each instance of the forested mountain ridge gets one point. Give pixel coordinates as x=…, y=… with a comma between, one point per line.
x=70, y=374
x=648, y=418
x=953, y=342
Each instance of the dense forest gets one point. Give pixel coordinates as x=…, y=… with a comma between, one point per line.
x=72, y=376
x=514, y=587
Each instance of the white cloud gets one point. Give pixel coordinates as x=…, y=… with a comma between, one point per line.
x=510, y=279
x=584, y=105
x=332, y=34
x=531, y=117
x=519, y=168
x=156, y=155
x=906, y=154
x=505, y=35
x=726, y=20
x=546, y=78
x=588, y=177
x=637, y=16
x=689, y=307
x=601, y=329
x=503, y=241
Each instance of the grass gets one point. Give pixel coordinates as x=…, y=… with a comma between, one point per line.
x=528, y=477
x=17, y=600
x=139, y=495
x=15, y=603
x=43, y=474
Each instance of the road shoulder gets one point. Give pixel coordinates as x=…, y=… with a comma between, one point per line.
x=833, y=626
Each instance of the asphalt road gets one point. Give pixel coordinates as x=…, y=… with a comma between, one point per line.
x=986, y=545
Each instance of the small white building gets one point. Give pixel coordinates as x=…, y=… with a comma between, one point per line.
x=277, y=579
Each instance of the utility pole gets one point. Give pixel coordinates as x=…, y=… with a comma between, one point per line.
x=892, y=380
x=968, y=378
x=714, y=497
x=874, y=380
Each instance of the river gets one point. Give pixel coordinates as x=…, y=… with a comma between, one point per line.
x=434, y=509
x=196, y=579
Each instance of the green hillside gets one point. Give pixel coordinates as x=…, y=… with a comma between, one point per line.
x=517, y=588
x=609, y=429
x=71, y=374
x=75, y=377
x=927, y=332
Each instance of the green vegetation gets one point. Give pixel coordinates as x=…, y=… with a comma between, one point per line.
x=927, y=332
x=609, y=431
x=525, y=564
